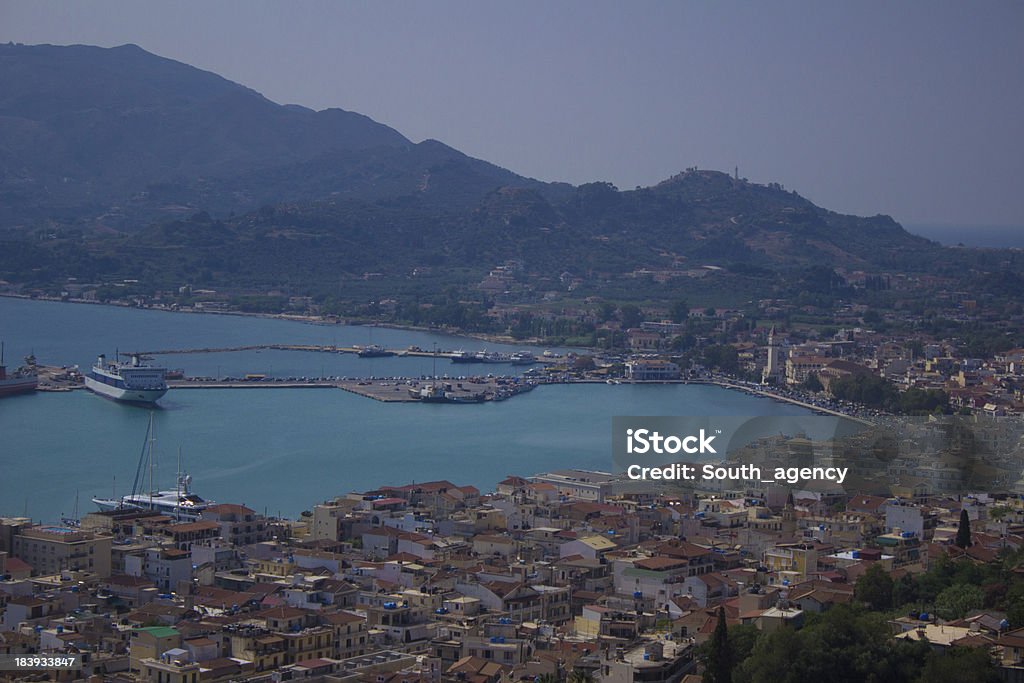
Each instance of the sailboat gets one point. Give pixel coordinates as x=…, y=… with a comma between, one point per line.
x=179, y=502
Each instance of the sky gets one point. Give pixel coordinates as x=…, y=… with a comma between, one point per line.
x=913, y=109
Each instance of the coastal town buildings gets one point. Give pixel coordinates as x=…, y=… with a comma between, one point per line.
x=432, y=581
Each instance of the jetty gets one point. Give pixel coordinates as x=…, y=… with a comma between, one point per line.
x=385, y=390
x=411, y=352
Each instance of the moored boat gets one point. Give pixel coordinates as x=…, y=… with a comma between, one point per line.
x=491, y=357
x=440, y=393
x=131, y=382
x=374, y=351
x=23, y=380
x=178, y=502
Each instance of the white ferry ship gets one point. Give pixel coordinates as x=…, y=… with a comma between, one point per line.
x=131, y=382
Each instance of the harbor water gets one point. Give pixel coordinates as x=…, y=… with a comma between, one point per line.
x=284, y=450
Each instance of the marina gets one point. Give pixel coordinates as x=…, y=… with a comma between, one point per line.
x=292, y=446
x=219, y=346
x=375, y=351
x=395, y=389
x=371, y=351
x=386, y=391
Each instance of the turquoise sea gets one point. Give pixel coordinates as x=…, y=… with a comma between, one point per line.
x=283, y=450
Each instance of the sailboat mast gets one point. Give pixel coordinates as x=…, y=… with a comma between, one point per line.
x=177, y=487
x=152, y=457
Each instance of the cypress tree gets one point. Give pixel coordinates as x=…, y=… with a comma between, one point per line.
x=963, y=531
x=719, y=663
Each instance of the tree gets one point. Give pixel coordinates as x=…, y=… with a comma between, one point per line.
x=844, y=644
x=812, y=383
x=923, y=401
x=679, y=311
x=872, y=317
x=865, y=388
x=584, y=363
x=1015, y=605
x=998, y=512
x=742, y=639
x=683, y=342
x=963, y=531
x=960, y=664
x=874, y=588
x=718, y=668
x=630, y=316
x=956, y=601
x=581, y=676
x=904, y=591
x=722, y=356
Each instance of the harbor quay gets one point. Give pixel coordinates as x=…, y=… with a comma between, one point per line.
x=566, y=572
x=391, y=390
x=461, y=388
x=388, y=390
x=370, y=351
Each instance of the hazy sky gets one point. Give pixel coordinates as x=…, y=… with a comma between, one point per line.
x=909, y=108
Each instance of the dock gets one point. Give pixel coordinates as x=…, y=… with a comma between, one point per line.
x=396, y=390
x=412, y=352
x=387, y=391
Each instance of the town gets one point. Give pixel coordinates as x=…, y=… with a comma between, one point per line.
x=808, y=342
x=852, y=361
x=566, y=574
x=953, y=354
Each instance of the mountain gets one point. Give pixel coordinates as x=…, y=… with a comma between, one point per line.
x=122, y=136
x=116, y=163
x=595, y=233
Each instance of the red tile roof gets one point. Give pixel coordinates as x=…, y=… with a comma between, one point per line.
x=659, y=564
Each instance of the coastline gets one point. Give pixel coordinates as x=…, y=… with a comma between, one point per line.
x=325, y=321
x=725, y=383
